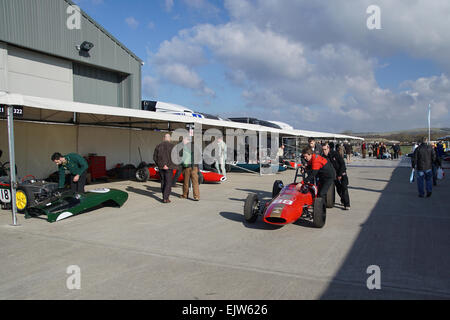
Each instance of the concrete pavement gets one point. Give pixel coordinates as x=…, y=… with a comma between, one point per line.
x=205, y=250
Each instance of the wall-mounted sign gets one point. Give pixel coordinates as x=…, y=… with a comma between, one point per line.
x=18, y=111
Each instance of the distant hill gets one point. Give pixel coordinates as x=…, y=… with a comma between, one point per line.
x=403, y=135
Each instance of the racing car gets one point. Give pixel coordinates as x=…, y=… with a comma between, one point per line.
x=289, y=205
x=39, y=197
x=151, y=172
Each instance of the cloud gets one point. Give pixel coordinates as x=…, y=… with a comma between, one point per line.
x=132, y=22
x=168, y=5
x=312, y=64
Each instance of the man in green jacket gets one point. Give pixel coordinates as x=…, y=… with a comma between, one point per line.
x=76, y=165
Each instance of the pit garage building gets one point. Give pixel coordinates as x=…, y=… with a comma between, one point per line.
x=45, y=52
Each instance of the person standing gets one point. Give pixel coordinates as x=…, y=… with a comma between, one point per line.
x=437, y=163
x=76, y=165
x=341, y=150
x=348, y=152
x=363, y=150
x=341, y=180
x=280, y=154
x=315, y=147
x=221, y=157
x=422, y=162
x=163, y=159
x=190, y=169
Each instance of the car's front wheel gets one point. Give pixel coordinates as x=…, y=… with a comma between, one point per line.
x=331, y=196
x=319, y=213
x=251, y=208
x=277, y=186
x=24, y=199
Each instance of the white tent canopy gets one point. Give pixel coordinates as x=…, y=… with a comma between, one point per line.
x=49, y=110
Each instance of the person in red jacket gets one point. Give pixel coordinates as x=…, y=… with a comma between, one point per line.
x=319, y=170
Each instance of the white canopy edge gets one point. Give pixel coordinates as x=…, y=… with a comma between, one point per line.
x=78, y=107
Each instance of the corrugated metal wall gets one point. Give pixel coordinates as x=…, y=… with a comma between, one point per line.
x=42, y=25
x=100, y=86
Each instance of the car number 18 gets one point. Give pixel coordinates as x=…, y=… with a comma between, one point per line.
x=5, y=196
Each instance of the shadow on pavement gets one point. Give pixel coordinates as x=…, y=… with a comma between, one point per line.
x=258, y=224
x=144, y=193
x=408, y=238
x=365, y=189
x=261, y=194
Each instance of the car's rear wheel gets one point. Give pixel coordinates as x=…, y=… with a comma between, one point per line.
x=24, y=199
x=142, y=175
x=319, y=213
x=277, y=186
x=251, y=208
x=331, y=196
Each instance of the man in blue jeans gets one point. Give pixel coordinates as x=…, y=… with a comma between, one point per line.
x=422, y=161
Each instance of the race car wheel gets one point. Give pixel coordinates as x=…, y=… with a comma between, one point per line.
x=277, y=186
x=227, y=167
x=331, y=196
x=24, y=199
x=319, y=213
x=251, y=208
x=142, y=175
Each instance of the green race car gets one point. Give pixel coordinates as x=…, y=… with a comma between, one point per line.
x=38, y=197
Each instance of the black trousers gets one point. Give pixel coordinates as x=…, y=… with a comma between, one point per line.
x=324, y=184
x=78, y=186
x=166, y=182
x=342, y=190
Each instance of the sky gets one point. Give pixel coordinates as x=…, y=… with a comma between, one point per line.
x=318, y=65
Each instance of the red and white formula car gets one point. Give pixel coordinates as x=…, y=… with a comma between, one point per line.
x=151, y=172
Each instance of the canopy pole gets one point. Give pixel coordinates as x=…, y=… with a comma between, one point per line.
x=12, y=163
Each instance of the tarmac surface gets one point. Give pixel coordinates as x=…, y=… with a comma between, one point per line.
x=205, y=250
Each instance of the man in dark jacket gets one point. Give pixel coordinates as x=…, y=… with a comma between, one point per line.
x=318, y=168
x=348, y=151
x=76, y=165
x=341, y=180
x=315, y=147
x=163, y=159
x=422, y=161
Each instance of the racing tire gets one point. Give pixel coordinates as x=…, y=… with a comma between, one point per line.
x=331, y=196
x=319, y=213
x=24, y=199
x=142, y=175
x=227, y=167
x=251, y=203
x=277, y=186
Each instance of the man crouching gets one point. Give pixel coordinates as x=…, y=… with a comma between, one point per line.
x=318, y=168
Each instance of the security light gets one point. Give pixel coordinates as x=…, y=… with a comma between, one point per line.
x=86, y=46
